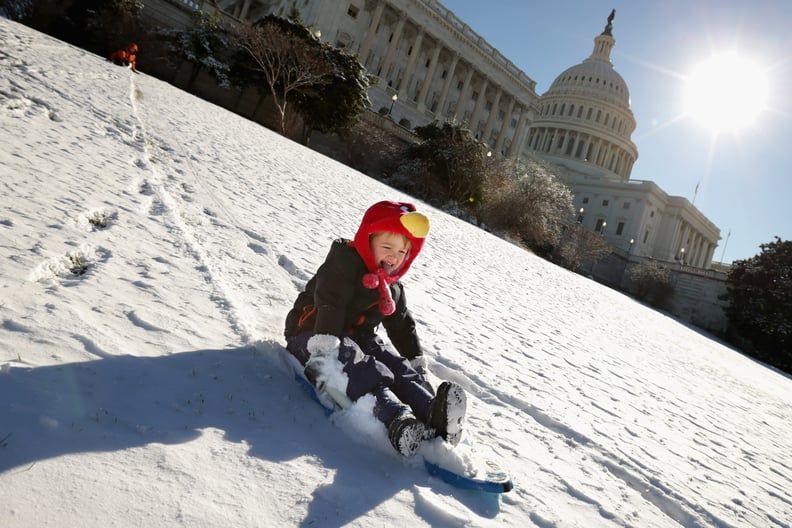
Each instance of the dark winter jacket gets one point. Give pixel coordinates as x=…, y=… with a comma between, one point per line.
x=336, y=302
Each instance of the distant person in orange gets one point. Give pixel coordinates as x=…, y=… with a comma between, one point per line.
x=126, y=57
x=131, y=52
x=119, y=57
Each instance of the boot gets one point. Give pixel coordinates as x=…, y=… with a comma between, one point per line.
x=406, y=434
x=448, y=412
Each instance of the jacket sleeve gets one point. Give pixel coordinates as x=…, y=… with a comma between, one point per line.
x=331, y=296
x=401, y=328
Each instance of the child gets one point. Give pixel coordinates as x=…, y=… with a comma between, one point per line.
x=131, y=53
x=119, y=57
x=332, y=326
x=126, y=57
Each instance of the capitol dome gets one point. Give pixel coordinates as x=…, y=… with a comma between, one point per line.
x=594, y=79
x=584, y=121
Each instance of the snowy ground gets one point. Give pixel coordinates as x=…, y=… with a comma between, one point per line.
x=148, y=391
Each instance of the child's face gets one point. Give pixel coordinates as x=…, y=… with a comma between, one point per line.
x=389, y=250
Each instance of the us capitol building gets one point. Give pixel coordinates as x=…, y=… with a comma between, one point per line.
x=433, y=67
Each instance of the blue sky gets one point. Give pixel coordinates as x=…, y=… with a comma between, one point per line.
x=743, y=176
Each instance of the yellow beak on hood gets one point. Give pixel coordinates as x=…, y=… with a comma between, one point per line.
x=416, y=223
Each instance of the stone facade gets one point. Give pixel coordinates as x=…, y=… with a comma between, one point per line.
x=431, y=66
x=172, y=13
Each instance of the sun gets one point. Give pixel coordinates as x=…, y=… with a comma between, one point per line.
x=726, y=93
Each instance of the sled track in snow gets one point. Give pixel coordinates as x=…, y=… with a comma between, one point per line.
x=221, y=293
x=235, y=308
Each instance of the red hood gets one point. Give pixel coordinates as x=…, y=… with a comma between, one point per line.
x=396, y=217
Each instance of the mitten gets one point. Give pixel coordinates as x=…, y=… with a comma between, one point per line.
x=418, y=363
x=324, y=370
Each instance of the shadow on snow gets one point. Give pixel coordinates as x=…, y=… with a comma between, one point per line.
x=122, y=402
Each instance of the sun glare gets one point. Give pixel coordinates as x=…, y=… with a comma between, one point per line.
x=726, y=93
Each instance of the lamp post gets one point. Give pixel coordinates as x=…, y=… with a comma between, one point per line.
x=629, y=250
x=682, y=256
x=602, y=229
x=580, y=216
x=393, y=101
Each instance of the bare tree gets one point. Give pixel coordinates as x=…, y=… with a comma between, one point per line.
x=290, y=62
x=526, y=199
x=578, y=245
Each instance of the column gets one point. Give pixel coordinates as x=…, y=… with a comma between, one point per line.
x=392, y=49
x=492, y=115
x=586, y=146
x=606, y=152
x=601, y=152
x=514, y=148
x=505, y=126
x=710, y=253
x=685, y=236
x=564, y=139
x=409, y=71
x=364, y=49
x=554, y=139
x=463, y=95
x=533, y=136
x=700, y=252
x=705, y=262
x=427, y=82
x=677, y=236
x=690, y=249
x=245, y=8
x=698, y=246
x=575, y=143
x=474, y=119
x=547, y=140
x=595, y=155
x=447, y=86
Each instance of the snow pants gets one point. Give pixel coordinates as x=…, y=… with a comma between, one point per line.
x=373, y=366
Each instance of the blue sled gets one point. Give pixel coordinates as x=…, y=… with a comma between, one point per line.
x=495, y=481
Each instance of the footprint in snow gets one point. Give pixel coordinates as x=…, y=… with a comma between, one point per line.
x=292, y=268
x=260, y=250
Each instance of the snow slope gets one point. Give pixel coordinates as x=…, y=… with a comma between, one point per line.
x=149, y=390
